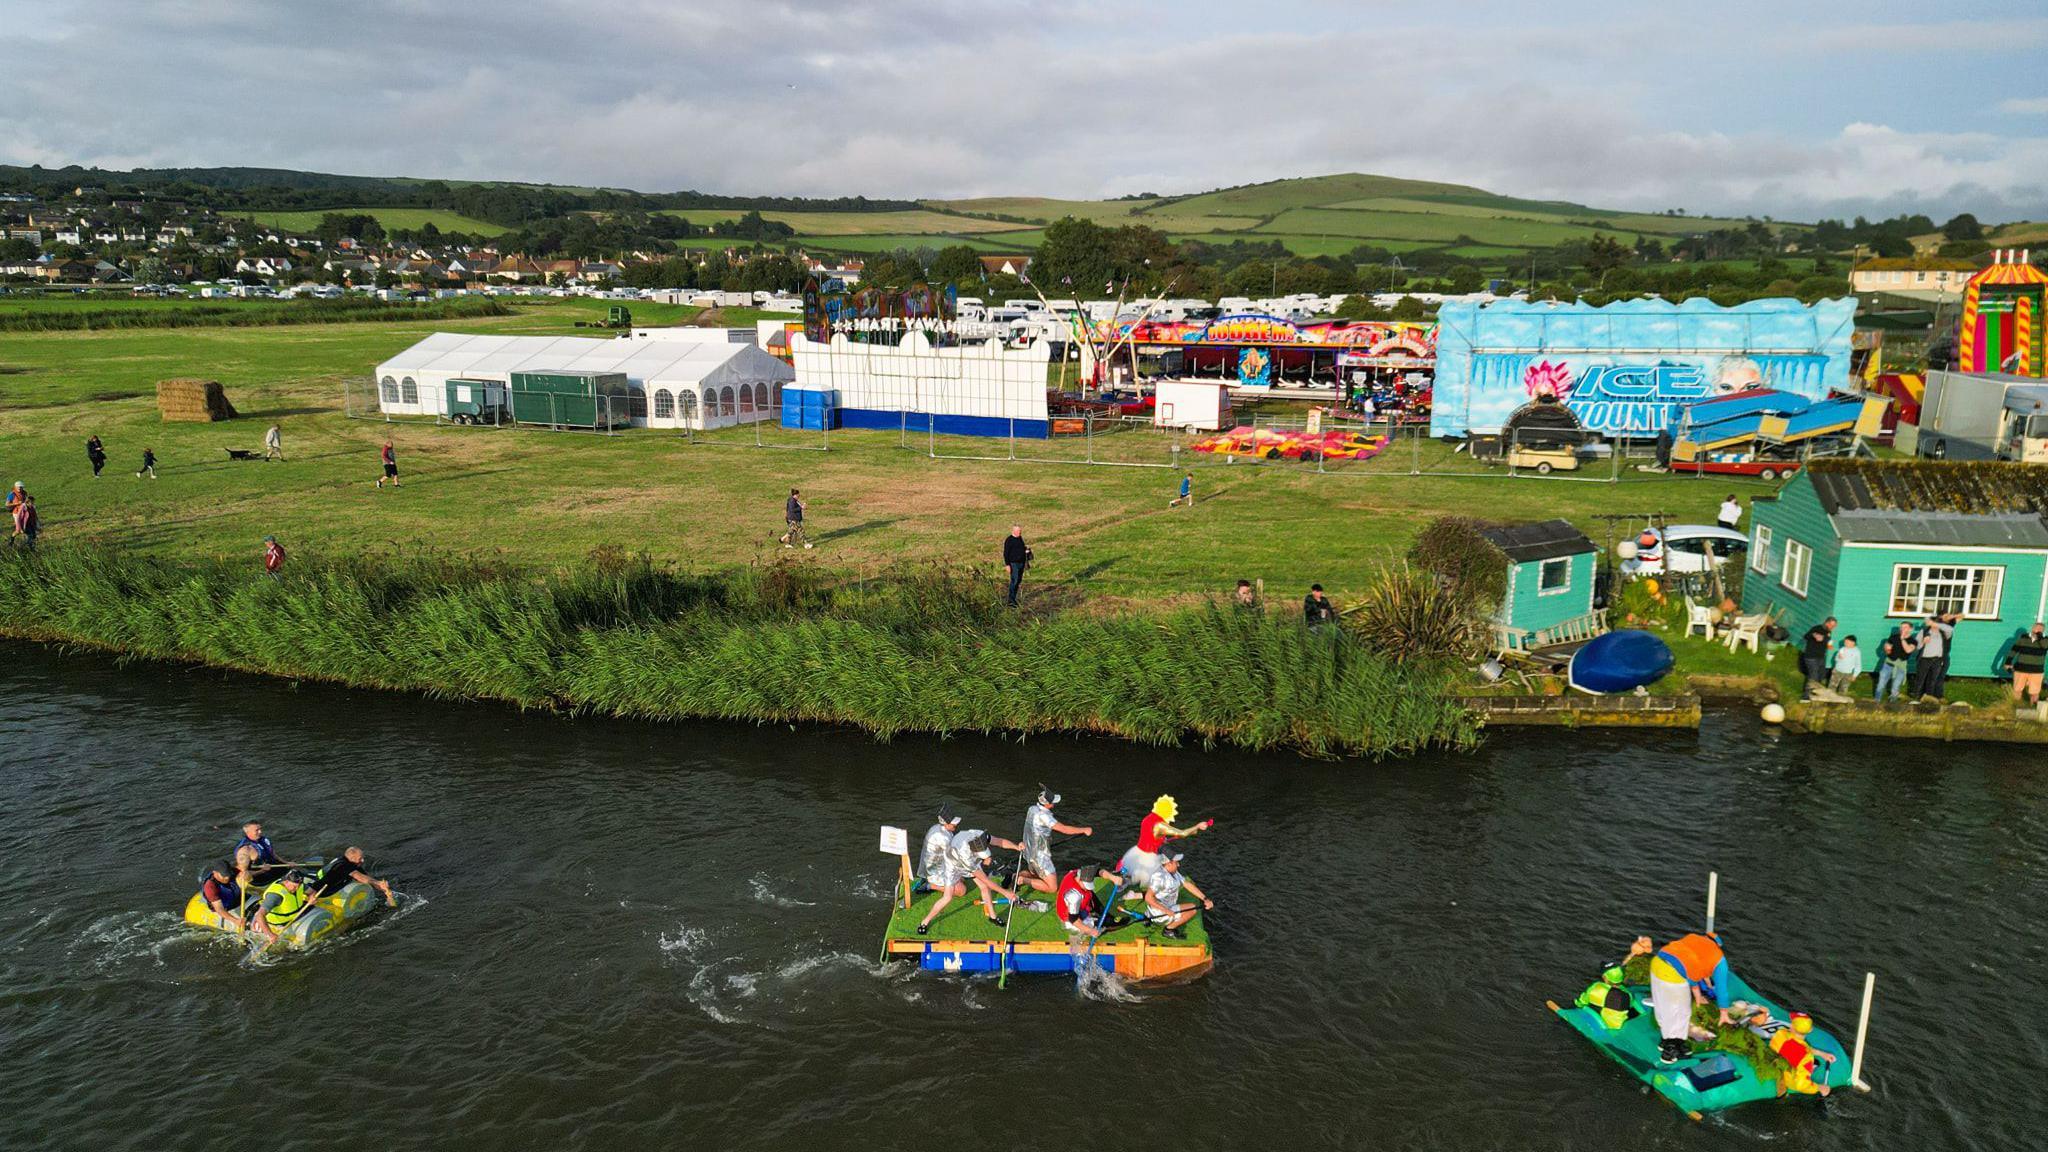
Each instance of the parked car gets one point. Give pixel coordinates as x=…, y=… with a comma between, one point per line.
x=1685, y=548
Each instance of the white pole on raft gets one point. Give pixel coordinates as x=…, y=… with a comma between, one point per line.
x=1862, y=1031
x=1713, y=891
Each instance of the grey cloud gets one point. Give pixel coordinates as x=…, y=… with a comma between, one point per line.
x=937, y=99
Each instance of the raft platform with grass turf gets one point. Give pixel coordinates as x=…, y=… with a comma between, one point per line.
x=1690, y=1083
x=962, y=940
x=328, y=916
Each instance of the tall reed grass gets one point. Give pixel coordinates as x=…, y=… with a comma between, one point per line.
x=920, y=650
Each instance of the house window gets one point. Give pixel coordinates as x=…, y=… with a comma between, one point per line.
x=1798, y=567
x=409, y=391
x=1554, y=576
x=1927, y=590
x=1760, y=551
x=664, y=405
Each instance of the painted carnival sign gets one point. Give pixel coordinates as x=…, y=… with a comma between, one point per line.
x=1374, y=337
x=1636, y=399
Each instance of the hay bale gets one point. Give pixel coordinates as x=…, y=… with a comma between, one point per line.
x=196, y=401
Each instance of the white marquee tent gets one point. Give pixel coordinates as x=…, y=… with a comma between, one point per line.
x=676, y=383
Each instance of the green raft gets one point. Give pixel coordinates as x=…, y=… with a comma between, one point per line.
x=1634, y=1047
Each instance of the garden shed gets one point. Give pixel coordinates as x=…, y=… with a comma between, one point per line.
x=1877, y=543
x=1549, y=594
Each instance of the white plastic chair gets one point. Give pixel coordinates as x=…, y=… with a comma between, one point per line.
x=1699, y=616
x=1747, y=630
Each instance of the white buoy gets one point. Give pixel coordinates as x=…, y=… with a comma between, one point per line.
x=1713, y=891
x=1862, y=1030
x=1774, y=713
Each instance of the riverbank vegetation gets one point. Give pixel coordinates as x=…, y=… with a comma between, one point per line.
x=912, y=650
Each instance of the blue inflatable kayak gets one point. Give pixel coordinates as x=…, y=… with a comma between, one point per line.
x=1619, y=662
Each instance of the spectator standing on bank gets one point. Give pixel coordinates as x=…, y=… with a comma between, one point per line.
x=1316, y=607
x=96, y=453
x=273, y=556
x=2029, y=657
x=1016, y=557
x=1892, y=658
x=1847, y=667
x=1931, y=677
x=1187, y=492
x=1246, y=596
x=793, y=519
x=148, y=464
x=390, y=458
x=15, y=496
x=1813, y=657
x=273, y=443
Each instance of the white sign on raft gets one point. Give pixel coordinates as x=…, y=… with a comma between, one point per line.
x=895, y=841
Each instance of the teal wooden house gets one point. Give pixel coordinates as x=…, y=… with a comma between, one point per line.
x=1875, y=543
x=1549, y=597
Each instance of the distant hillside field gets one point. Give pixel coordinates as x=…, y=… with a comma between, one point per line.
x=1313, y=216
x=390, y=218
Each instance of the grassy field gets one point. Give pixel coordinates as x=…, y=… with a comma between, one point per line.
x=1021, y=241
x=825, y=224
x=550, y=498
x=408, y=218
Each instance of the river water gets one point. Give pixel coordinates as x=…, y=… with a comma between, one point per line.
x=626, y=935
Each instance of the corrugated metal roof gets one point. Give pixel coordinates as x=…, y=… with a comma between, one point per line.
x=1990, y=530
x=1542, y=541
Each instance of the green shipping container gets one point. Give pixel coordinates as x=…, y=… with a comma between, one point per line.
x=599, y=400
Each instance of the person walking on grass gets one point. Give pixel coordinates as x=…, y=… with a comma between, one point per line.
x=1892, y=657
x=96, y=453
x=390, y=457
x=1016, y=557
x=1187, y=492
x=273, y=557
x=27, y=524
x=148, y=464
x=793, y=518
x=273, y=443
x=2028, y=659
x=1847, y=667
x=15, y=496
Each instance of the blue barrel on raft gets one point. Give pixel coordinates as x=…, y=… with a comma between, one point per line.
x=1694, y=1084
x=1619, y=662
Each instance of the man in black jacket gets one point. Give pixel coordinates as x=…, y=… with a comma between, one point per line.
x=1016, y=556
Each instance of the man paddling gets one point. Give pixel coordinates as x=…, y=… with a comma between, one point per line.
x=968, y=856
x=1075, y=902
x=1153, y=832
x=220, y=892
x=931, y=864
x=283, y=902
x=256, y=863
x=350, y=866
x=1039, y=825
x=1162, y=897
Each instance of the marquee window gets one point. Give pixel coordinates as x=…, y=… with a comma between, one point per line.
x=689, y=399
x=409, y=391
x=1971, y=591
x=389, y=389
x=664, y=405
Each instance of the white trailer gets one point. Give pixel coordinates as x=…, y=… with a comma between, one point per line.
x=1191, y=405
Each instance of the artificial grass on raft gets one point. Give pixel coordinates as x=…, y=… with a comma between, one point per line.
x=963, y=920
x=924, y=651
x=1734, y=1039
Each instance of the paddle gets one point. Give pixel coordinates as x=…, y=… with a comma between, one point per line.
x=1153, y=918
x=1088, y=954
x=1009, y=917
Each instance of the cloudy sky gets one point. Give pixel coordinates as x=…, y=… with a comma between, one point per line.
x=1789, y=108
